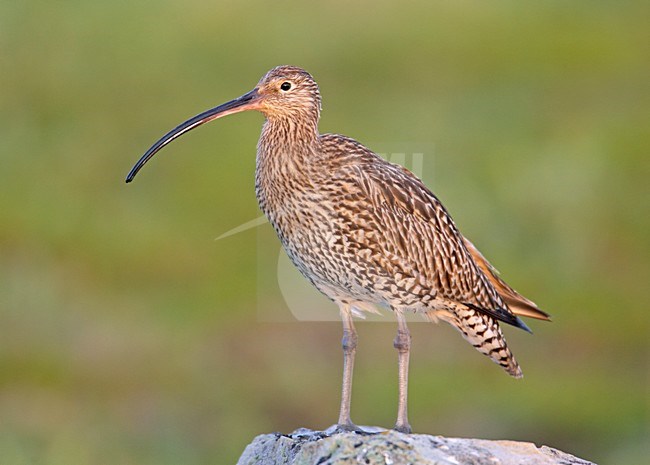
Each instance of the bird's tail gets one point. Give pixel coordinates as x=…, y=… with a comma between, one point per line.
x=517, y=303
x=484, y=333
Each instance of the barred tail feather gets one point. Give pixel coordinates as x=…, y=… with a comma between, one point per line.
x=484, y=333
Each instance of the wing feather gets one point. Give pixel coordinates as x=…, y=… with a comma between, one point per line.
x=423, y=239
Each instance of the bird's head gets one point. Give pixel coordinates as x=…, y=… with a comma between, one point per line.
x=286, y=93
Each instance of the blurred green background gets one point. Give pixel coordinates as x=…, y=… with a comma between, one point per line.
x=128, y=335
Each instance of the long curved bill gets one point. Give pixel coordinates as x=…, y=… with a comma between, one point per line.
x=248, y=101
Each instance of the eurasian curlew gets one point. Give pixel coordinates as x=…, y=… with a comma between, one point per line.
x=365, y=232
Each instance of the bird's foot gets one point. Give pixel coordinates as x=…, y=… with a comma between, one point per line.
x=346, y=428
x=405, y=428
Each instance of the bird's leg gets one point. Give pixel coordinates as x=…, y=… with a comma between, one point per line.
x=402, y=343
x=349, y=344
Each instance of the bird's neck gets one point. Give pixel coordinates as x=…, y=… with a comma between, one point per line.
x=286, y=145
x=286, y=156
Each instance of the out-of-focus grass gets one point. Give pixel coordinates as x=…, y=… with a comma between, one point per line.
x=129, y=336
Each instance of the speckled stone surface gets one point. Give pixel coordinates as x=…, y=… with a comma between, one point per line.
x=387, y=447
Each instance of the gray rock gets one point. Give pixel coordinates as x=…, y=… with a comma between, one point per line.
x=376, y=446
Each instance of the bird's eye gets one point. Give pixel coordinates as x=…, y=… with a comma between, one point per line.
x=285, y=86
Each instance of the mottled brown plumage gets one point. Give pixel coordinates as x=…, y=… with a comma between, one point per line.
x=365, y=232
